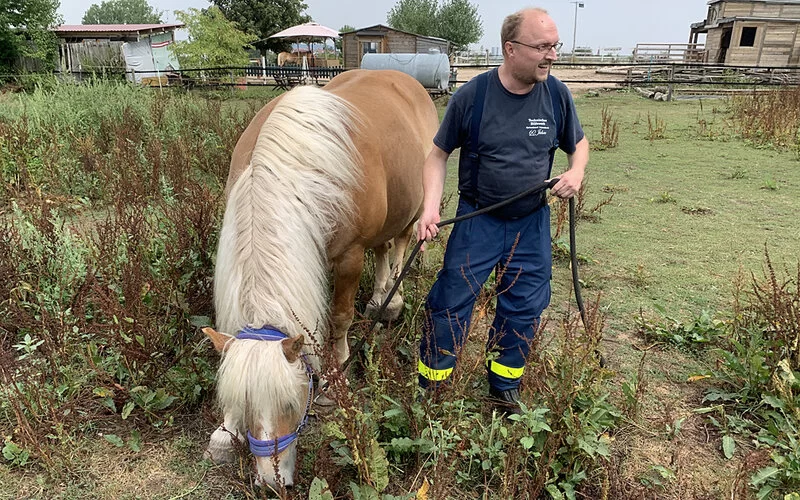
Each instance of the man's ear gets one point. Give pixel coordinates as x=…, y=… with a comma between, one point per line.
x=292, y=348
x=220, y=340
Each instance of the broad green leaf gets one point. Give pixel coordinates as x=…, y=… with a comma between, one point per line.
x=114, y=439
x=364, y=492
x=200, y=321
x=554, y=492
x=728, y=446
x=378, y=466
x=319, y=490
x=127, y=409
x=135, y=441
x=774, y=402
x=761, y=476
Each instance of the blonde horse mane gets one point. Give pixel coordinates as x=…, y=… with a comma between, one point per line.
x=272, y=266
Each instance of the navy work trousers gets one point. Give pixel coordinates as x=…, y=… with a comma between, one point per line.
x=519, y=249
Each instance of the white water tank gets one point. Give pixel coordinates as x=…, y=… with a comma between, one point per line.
x=431, y=70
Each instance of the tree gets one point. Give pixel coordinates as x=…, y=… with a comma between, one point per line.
x=122, y=12
x=459, y=22
x=454, y=20
x=213, y=40
x=414, y=16
x=338, y=42
x=25, y=32
x=263, y=18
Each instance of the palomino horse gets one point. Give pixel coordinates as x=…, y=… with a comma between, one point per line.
x=289, y=58
x=318, y=176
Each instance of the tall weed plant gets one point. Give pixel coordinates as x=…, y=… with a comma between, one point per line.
x=106, y=260
x=769, y=117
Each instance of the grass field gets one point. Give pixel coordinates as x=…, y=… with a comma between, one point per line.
x=686, y=211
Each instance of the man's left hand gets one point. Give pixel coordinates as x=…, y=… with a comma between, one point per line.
x=569, y=184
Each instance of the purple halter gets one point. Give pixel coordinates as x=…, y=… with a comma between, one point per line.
x=271, y=447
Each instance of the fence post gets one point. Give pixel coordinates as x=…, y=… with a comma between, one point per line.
x=671, y=78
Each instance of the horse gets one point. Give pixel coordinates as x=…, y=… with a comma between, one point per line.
x=289, y=57
x=319, y=176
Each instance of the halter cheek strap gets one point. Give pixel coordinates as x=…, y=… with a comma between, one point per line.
x=269, y=447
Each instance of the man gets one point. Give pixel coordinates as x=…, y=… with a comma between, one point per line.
x=519, y=128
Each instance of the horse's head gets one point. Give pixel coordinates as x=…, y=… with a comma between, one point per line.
x=264, y=389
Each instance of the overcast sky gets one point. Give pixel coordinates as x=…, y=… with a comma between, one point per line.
x=601, y=23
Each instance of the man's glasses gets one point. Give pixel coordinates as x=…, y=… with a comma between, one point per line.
x=542, y=49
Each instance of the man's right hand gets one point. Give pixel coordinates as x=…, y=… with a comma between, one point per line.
x=427, y=228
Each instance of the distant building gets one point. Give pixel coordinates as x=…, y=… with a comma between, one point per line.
x=380, y=39
x=141, y=49
x=750, y=32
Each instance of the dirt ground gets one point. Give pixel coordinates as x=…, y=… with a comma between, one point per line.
x=574, y=78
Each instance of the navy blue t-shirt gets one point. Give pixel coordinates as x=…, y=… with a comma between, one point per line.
x=517, y=138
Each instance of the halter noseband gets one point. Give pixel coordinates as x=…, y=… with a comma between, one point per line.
x=271, y=447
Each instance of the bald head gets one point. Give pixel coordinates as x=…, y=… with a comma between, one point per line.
x=530, y=19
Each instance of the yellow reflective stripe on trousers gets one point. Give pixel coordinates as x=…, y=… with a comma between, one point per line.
x=503, y=370
x=431, y=374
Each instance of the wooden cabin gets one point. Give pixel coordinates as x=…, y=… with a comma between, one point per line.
x=750, y=33
x=380, y=39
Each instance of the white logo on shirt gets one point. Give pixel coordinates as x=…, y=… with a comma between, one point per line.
x=537, y=126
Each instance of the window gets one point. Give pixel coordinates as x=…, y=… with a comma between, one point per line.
x=370, y=47
x=748, y=37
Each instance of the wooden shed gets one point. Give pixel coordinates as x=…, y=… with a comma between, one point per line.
x=751, y=32
x=141, y=49
x=380, y=39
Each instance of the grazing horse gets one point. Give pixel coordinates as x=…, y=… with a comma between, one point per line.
x=289, y=57
x=318, y=177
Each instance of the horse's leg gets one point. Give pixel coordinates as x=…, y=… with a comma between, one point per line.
x=346, y=274
x=220, y=446
x=381, y=279
x=398, y=256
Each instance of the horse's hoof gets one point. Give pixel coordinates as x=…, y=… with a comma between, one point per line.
x=218, y=456
x=371, y=311
x=394, y=309
x=324, y=401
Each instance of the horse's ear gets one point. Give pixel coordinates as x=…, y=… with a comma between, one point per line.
x=220, y=340
x=292, y=348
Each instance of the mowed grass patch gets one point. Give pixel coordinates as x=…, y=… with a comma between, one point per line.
x=688, y=213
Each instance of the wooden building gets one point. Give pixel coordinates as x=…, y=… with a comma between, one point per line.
x=141, y=49
x=380, y=39
x=750, y=32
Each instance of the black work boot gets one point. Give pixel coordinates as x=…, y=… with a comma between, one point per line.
x=505, y=402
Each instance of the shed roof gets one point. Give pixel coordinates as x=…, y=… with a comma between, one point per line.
x=99, y=29
x=376, y=28
x=790, y=2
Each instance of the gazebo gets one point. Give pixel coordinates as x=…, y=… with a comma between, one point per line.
x=308, y=33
